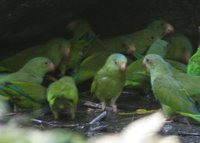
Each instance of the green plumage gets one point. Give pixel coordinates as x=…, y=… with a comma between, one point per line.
x=170, y=92
x=179, y=47
x=33, y=71
x=26, y=95
x=158, y=47
x=89, y=67
x=161, y=27
x=83, y=36
x=63, y=94
x=100, y=50
x=109, y=80
x=193, y=67
x=57, y=50
x=136, y=74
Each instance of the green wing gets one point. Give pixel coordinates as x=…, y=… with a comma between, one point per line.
x=171, y=93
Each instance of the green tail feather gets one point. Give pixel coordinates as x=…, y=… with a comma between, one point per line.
x=193, y=116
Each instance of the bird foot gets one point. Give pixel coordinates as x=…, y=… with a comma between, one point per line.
x=103, y=105
x=114, y=108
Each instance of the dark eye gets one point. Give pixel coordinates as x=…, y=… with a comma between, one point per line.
x=147, y=60
x=162, y=24
x=45, y=63
x=152, y=37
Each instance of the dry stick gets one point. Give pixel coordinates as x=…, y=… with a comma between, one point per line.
x=98, y=118
x=188, y=134
x=42, y=122
x=95, y=105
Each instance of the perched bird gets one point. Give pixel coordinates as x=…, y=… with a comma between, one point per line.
x=109, y=80
x=169, y=91
x=136, y=75
x=139, y=40
x=33, y=71
x=161, y=27
x=57, y=50
x=179, y=47
x=82, y=38
x=27, y=95
x=63, y=94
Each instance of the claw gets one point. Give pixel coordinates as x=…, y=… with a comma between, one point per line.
x=103, y=105
x=114, y=108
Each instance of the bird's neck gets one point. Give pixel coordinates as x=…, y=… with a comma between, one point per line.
x=39, y=74
x=160, y=73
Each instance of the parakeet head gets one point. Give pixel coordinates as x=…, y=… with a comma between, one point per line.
x=161, y=26
x=117, y=60
x=39, y=65
x=154, y=62
x=141, y=40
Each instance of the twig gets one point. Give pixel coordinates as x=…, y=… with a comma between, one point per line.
x=95, y=105
x=98, y=118
x=42, y=122
x=188, y=134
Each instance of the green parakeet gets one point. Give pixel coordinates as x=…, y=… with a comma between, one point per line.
x=161, y=27
x=26, y=95
x=169, y=91
x=99, y=52
x=57, y=50
x=155, y=30
x=109, y=80
x=139, y=40
x=136, y=74
x=63, y=95
x=82, y=38
x=193, y=67
x=179, y=47
x=33, y=71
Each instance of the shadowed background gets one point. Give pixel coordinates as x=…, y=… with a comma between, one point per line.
x=24, y=23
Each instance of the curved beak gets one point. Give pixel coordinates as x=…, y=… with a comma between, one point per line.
x=131, y=49
x=52, y=67
x=169, y=28
x=143, y=62
x=122, y=67
x=66, y=53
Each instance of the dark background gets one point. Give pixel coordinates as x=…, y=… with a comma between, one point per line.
x=24, y=23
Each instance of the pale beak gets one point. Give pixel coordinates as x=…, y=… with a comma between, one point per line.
x=169, y=28
x=131, y=49
x=122, y=67
x=66, y=53
x=52, y=67
x=143, y=62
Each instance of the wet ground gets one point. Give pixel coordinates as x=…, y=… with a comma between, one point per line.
x=92, y=121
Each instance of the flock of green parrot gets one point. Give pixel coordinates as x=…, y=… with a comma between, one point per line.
x=154, y=57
